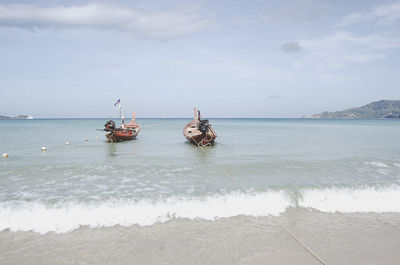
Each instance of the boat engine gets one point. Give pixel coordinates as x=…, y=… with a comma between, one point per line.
x=110, y=126
x=203, y=126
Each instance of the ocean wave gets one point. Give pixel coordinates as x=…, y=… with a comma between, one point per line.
x=349, y=200
x=68, y=216
x=37, y=217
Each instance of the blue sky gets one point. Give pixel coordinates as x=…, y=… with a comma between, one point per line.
x=229, y=58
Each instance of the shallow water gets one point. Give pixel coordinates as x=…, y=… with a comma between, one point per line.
x=260, y=168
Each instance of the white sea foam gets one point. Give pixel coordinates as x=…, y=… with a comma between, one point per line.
x=35, y=216
x=376, y=164
x=383, y=171
x=347, y=200
x=27, y=216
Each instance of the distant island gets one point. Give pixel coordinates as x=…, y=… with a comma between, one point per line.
x=383, y=109
x=19, y=117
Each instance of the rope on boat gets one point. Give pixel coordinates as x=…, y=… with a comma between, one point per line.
x=304, y=245
x=200, y=143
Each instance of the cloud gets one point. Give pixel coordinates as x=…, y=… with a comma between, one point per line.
x=299, y=10
x=164, y=24
x=383, y=14
x=291, y=46
x=343, y=48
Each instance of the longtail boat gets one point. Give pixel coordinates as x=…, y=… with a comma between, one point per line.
x=198, y=131
x=125, y=132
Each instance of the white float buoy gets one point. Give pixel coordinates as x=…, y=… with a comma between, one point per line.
x=5, y=155
x=66, y=143
x=85, y=139
x=97, y=137
x=44, y=148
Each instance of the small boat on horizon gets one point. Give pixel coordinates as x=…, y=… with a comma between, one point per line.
x=198, y=131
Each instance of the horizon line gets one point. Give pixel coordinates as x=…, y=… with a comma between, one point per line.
x=39, y=118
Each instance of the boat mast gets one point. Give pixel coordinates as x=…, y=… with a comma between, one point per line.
x=195, y=116
x=121, y=114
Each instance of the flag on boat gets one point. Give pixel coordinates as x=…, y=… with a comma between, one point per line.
x=118, y=103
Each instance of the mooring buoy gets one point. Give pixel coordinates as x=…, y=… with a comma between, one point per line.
x=66, y=143
x=5, y=155
x=85, y=139
x=44, y=148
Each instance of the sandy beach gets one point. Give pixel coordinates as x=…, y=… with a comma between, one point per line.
x=335, y=238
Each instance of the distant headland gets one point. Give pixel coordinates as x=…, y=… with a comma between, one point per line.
x=383, y=109
x=19, y=117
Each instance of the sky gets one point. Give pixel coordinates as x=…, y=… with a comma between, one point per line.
x=286, y=58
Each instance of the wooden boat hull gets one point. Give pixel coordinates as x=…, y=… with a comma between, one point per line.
x=194, y=136
x=124, y=133
x=121, y=135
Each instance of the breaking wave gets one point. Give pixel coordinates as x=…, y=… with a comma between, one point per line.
x=347, y=200
x=66, y=217
x=31, y=216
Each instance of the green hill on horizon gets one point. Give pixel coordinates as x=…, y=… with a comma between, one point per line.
x=383, y=109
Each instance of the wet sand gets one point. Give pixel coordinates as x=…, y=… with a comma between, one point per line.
x=367, y=238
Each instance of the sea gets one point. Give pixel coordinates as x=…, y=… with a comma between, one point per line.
x=270, y=191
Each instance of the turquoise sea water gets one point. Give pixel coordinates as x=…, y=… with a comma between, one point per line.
x=258, y=167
